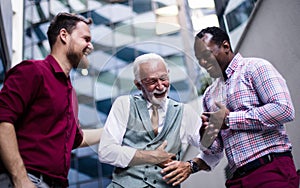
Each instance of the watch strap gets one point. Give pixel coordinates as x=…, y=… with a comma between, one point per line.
x=193, y=166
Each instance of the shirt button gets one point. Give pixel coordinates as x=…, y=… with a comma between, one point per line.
x=146, y=166
x=155, y=167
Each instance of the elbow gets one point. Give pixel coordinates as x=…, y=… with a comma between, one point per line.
x=103, y=155
x=107, y=156
x=289, y=112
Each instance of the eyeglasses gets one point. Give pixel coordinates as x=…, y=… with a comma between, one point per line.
x=154, y=81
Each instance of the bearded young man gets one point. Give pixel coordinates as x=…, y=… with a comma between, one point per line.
x=39, y=123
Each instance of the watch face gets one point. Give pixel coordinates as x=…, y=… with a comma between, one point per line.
x=227, y=121
x=194, y=166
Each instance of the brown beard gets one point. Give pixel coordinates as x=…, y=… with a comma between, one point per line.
x=73, y=57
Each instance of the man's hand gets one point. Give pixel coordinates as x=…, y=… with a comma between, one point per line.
x=161, y=150
x=212, y=122
x=158, y=156
x=162, y=156
x=176, y=172
x=23, y=183
x=216, y=119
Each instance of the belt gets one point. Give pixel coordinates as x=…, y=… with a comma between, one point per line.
x=249, y=167
x=47, y=179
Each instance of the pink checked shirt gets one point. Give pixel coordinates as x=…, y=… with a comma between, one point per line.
x=260, y=104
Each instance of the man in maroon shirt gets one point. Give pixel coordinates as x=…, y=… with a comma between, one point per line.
x=39, y=124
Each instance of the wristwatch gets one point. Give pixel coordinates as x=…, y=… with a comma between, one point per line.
x=227, y=121
x=194, y=166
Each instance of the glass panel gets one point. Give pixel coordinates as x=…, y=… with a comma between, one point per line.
x=239, y=15
x=2, y=66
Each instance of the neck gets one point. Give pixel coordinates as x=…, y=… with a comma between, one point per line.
x=63, y=62
x=230, y=58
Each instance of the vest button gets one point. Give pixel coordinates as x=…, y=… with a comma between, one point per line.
x=146, y=166
x=155, y=167
x=154, y=181
x=145, y=178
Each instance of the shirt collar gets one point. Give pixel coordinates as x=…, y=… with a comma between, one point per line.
x=54, y=64
x=163, y=106
x=233, y=64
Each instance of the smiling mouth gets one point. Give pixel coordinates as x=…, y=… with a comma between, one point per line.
x=160, y=95
x=87, y=51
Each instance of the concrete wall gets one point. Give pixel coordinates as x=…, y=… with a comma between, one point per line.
x=273, y=34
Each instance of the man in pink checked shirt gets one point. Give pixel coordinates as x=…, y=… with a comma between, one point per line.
x=250, y=116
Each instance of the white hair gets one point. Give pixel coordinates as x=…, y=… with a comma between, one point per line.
x=145, y=58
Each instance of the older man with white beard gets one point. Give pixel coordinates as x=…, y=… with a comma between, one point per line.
x=145, y=135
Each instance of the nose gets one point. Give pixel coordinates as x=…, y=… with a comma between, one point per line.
x=89, y=49
x=159, y=85
x=90, y=46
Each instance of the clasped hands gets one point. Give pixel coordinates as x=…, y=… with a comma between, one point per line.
x=174, y=172
x=212, y=123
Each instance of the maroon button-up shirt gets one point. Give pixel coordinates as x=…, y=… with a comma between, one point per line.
x=38, y=98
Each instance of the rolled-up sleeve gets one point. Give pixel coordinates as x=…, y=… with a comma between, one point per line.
x=110, y=149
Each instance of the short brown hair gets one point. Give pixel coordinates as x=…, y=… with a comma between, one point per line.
x=64, y=20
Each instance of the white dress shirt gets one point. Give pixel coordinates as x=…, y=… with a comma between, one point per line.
x=111, y=150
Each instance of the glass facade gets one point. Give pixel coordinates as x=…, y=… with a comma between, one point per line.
x=121, y=31
x=5, y=40
x=2, y=65
x=239, y=15
x=236, y=17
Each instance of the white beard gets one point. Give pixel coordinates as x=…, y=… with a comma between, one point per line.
x=157, y=101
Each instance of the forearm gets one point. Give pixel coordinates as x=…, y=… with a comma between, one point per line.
x=265, y=117
x=91, y=137
x=124, y=156
x=272, y=104
x=9, y=152
x=157, y=156
x=144, y=157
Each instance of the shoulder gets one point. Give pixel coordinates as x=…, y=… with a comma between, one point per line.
x=253, y=64
x=28, y=68
x=121, y=100
x=120, y=104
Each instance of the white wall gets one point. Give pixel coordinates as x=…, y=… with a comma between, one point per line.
x=17, y=32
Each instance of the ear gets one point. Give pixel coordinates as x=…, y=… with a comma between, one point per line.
x=138, y=84
x=63, y=34
x=226, y=46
